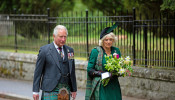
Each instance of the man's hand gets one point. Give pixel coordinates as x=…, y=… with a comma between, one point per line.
x=73, y=94
x=36, y=96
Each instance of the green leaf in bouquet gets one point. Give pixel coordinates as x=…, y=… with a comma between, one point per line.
x=117, y=67
x=105, y=81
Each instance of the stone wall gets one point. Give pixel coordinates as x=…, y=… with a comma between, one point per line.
x=17, y=65
x=152, y=84
x=146, y=83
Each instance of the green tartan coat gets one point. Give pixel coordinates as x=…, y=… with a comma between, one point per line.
x=94, y=87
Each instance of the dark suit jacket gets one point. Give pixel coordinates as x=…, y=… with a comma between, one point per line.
x=47, y=72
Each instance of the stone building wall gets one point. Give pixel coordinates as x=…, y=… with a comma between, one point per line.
x=147, y=83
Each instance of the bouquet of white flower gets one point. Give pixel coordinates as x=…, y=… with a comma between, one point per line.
x=117, y=66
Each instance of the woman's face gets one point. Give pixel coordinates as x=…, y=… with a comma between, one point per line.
x=107, y=42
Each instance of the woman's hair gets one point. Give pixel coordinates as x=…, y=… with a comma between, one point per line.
x=111, y=35
x=59, y=27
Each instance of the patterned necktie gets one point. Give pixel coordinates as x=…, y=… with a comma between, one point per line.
x=60, y=49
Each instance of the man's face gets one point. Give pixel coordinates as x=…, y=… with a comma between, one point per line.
x=60, y=38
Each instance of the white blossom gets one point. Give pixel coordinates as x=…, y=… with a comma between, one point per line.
x=127, y=58
x=121, y=71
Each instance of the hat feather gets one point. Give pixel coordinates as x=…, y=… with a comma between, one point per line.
x=113, y=27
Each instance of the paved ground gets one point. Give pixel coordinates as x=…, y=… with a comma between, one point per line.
x=11, y=89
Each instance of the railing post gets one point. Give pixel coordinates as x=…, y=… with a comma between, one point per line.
x=16, y=45
x=48, y=15
x=87, y=42
x=134, y=56
x=146, y=46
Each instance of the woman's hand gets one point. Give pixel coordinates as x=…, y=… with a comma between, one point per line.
x=93, y=73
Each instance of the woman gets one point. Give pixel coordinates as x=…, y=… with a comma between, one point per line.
x=94, y=88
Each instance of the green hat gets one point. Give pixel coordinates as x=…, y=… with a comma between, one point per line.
x=107, y=30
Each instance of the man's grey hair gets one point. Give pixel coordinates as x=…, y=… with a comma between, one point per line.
x=111, y=35
x=59, y=27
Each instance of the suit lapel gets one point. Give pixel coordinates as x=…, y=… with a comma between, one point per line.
x=65, y=54
x=56, y=57
x=66, y=58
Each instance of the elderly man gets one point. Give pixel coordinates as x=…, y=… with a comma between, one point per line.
x=55, y=69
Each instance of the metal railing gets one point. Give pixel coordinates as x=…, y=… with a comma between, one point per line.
x=149, y=42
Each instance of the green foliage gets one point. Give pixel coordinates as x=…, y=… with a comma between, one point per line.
x=36, y=6
x=33, y=29
x=117, y=66
x=115, y=7
x=168, y=5
x=144, y=7
x=79, y=6
x=109, y=7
